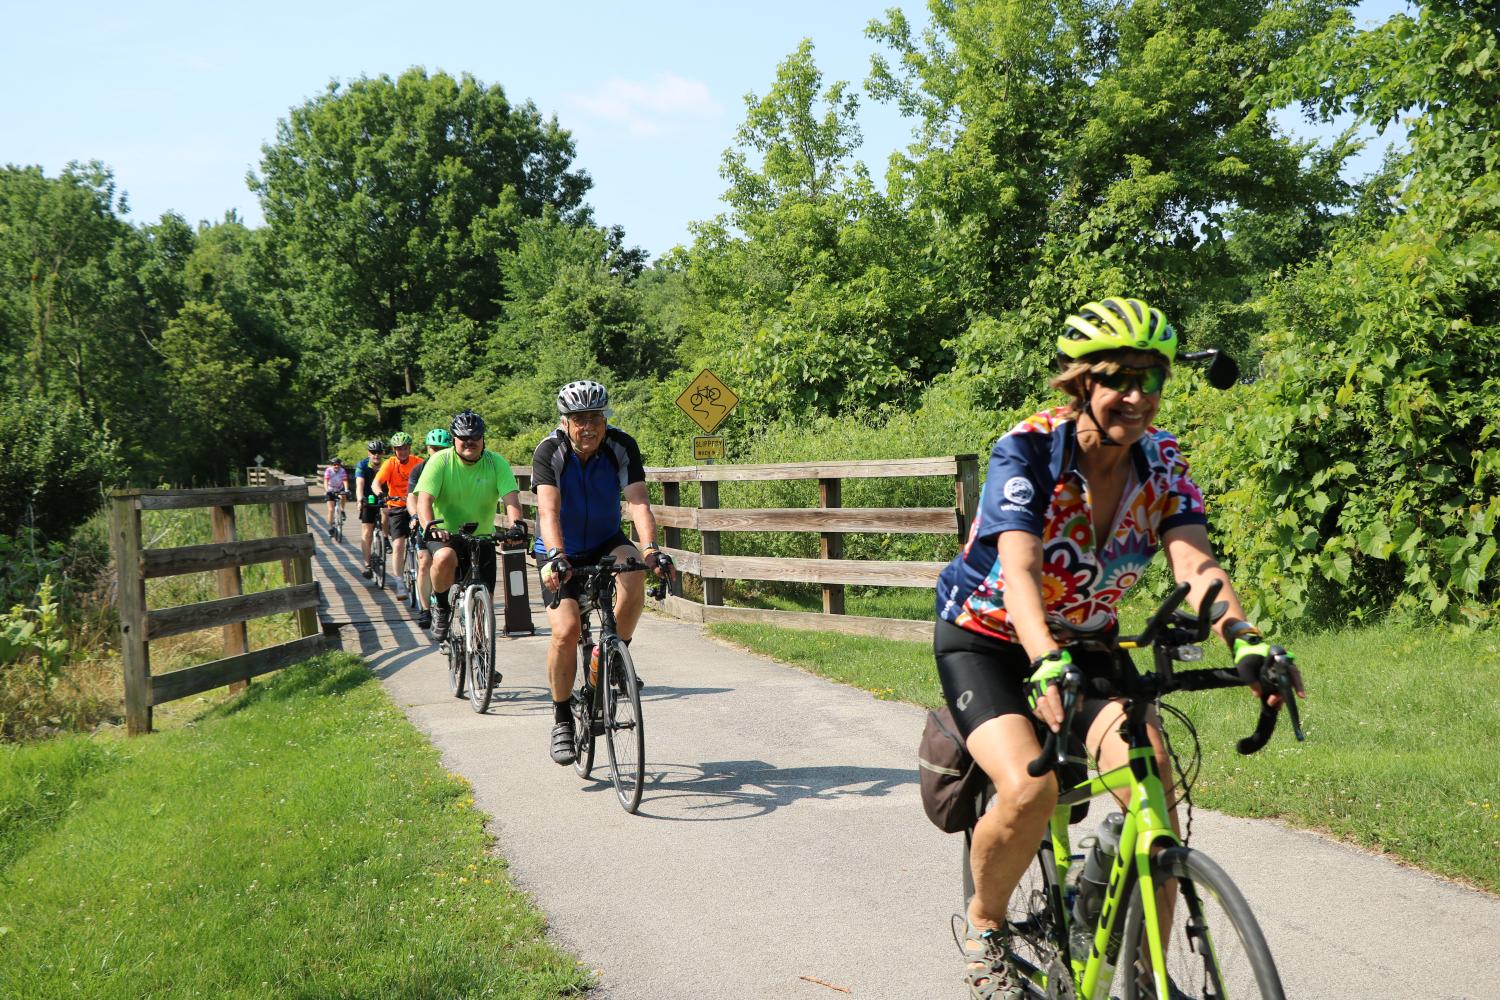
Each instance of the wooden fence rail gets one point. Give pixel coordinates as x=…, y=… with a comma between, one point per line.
x=224, y=556
x=830, y=520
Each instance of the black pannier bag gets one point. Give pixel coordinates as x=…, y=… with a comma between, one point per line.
x=950, y=779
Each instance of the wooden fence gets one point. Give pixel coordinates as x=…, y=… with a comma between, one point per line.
x=830, y=519
x=224, y=555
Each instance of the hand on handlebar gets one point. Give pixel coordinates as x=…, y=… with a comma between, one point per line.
x=556, y=570
x=1042, y=691
x=1258, y=661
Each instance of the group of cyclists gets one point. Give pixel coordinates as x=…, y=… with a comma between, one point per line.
x=580, y=474
x=1078, y=499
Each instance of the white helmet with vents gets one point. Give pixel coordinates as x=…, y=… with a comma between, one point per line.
x=582, y=397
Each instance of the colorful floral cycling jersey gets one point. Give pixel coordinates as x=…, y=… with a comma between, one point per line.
x=1034, y=485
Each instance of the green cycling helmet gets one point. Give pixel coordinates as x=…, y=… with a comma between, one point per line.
x=1117, y=324
x=400, y=438
x=439, y=437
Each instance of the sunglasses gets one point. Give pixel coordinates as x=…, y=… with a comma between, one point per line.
x=1148, y=380
x=468, y=440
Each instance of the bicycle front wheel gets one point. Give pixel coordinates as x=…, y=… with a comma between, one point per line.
x=623, y=725
x=1214, y=947
x=479, y=646
x=377, y=558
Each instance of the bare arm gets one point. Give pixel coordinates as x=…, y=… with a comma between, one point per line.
x=1021, y=565
x=639, y=502
x=512, y=501
x=1191, y=556
x=549, y=516
x=424, y=509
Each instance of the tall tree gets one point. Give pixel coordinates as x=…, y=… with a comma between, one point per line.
x=388, y=202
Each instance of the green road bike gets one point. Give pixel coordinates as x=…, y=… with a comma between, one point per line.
x=1156, y=918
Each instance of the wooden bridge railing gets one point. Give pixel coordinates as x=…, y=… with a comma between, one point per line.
x=139, y=625
x=830, y=519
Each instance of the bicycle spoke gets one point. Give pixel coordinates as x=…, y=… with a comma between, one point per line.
x=624, y=726
x=479, y=649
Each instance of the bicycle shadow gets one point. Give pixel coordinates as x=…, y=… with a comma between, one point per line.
x=726, y=790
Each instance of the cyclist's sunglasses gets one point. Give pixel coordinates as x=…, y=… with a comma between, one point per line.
x=468, y=439
x=1149, y=380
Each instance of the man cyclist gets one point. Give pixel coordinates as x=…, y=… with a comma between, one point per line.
x=437, y=439
x=1077, y=501
x=392, y=482
x=580, y=472
x=335, y=486
x=460, y=485
x=364, y=491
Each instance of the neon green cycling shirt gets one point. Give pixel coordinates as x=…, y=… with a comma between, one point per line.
x=462, y=493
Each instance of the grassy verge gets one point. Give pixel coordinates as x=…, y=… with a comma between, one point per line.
x=299, y=841
x=1400, y=754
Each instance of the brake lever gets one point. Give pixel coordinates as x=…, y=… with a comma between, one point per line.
x=1275, y=674
x=1054, y=753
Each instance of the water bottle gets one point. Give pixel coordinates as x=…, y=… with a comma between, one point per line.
x=1092, y=882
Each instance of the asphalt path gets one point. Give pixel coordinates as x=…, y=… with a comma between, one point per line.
x=781, y=850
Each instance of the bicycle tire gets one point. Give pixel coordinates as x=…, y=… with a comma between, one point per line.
x=377, y=558
x=456, y=666
x=624, y=726
x=479, y=646
x=1238, y=964
x=409, y=576
x=583, y=728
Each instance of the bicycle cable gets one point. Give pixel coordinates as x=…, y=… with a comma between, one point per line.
x=1188, y=775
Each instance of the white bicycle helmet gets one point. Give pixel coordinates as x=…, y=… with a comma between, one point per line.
x=583, y=396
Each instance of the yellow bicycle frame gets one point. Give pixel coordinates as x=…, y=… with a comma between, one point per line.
x=1147, y=821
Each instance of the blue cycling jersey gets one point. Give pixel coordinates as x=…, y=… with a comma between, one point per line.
x=590, y=491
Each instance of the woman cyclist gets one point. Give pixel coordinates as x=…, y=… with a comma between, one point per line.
x=335, y=486
x=1077, y=500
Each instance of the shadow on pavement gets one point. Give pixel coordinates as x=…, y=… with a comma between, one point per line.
x=716, y=791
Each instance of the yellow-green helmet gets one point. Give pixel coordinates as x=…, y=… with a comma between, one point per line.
x=1115, y=324
x=400, y=439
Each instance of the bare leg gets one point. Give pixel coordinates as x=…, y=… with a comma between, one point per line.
x=1007, y=836
x=562, y=661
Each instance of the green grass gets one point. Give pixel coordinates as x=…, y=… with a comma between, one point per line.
x=1400, y=756
x=300, y=841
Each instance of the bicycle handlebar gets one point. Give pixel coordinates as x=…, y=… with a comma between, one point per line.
x=1168, y=633
x=608, y=566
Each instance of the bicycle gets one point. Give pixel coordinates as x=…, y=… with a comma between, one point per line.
x=336, y=525
x=1196, y=957
x=612, y=707
x=471, y=635
x=409, y=573
x=380, y=547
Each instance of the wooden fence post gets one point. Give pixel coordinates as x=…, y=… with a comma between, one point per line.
x=125, y=539
x=236, y=634
x=671, y=496
x=713, y=589
x=966, y=492
x=830, y=496
x=280, y=526
x=301, y=567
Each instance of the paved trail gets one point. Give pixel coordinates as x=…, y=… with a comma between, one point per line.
x=781, y=850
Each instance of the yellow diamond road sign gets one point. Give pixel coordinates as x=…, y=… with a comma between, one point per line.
x=707, y=401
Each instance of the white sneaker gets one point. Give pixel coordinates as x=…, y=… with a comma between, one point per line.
x=400, y=591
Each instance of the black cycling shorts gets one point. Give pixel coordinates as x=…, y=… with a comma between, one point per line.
x=984, y=678
x=398, y=522
x=369, y=513
x=573, y=587
x=486, y=560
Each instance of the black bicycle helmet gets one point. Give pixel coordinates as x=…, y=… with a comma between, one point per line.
x=376, y=445
x=582, y=396
x=467, y=424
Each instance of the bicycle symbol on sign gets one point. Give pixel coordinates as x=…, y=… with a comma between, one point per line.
x=705, y=397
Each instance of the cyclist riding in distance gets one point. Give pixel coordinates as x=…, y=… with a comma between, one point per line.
x=437, y=439
x=364, y=488
x=335, y=484
x=460, y=485
x=579, y=473
x=1077, y=500
x=393, y=482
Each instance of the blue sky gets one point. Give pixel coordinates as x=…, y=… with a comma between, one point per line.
x=178, y=97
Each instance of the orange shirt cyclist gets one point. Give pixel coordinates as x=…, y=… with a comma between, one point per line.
x=393, y=481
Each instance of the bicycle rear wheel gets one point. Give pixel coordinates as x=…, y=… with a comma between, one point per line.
x=377, y=557
x=455, y=643
x=479, y=646
x=409, y=575
x=623, y=725
x=583, y=727
x=1215, y=947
